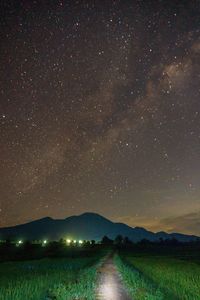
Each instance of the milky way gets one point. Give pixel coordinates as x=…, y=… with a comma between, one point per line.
x=100, y=111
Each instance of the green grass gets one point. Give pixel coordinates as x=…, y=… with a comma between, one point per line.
x=176, y=277
x=138, y=286
x=83, y=287
x=53, y=279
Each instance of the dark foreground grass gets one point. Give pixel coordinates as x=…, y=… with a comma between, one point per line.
x=160, y=277
x=52, y=279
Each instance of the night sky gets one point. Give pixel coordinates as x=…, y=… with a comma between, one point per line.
x=100, y=111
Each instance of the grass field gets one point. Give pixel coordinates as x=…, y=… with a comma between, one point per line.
x=160, y=277
x=52, y=279
x=147, y=276
x=138, y=286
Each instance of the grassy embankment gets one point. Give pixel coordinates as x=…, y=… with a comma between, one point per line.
x=160, y=277
x=52, y=279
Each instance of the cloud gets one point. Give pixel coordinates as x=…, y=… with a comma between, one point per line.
x=138, y=221
x=187, y=223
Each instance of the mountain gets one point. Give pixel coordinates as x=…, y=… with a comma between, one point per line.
x=87, y=226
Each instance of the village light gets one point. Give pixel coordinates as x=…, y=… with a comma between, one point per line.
x=80, y=242
x=68, y=241
x=74, y=241
x=44, y=242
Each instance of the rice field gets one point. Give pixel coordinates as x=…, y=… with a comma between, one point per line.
x=138, y=286
x=147, y=277
x=160, y=277
x=49, y=279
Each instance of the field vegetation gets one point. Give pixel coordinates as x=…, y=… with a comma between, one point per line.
x=49, y=279
x=60, y=271
x=162, y=277
x=138, y=285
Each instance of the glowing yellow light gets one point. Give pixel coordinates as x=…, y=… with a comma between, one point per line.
x=20, y=242
x=68, y=241
x=80, y=242
x=45, y=242
x=74, y=241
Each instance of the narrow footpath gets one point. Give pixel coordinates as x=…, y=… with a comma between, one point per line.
x=110, y=284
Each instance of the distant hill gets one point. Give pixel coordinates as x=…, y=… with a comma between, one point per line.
x=87, y=226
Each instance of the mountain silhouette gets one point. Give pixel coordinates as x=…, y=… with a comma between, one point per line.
x=86, y=226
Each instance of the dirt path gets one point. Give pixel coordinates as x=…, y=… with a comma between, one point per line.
x=110, y=284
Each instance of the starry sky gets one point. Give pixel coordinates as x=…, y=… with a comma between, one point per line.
x=100, y=111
